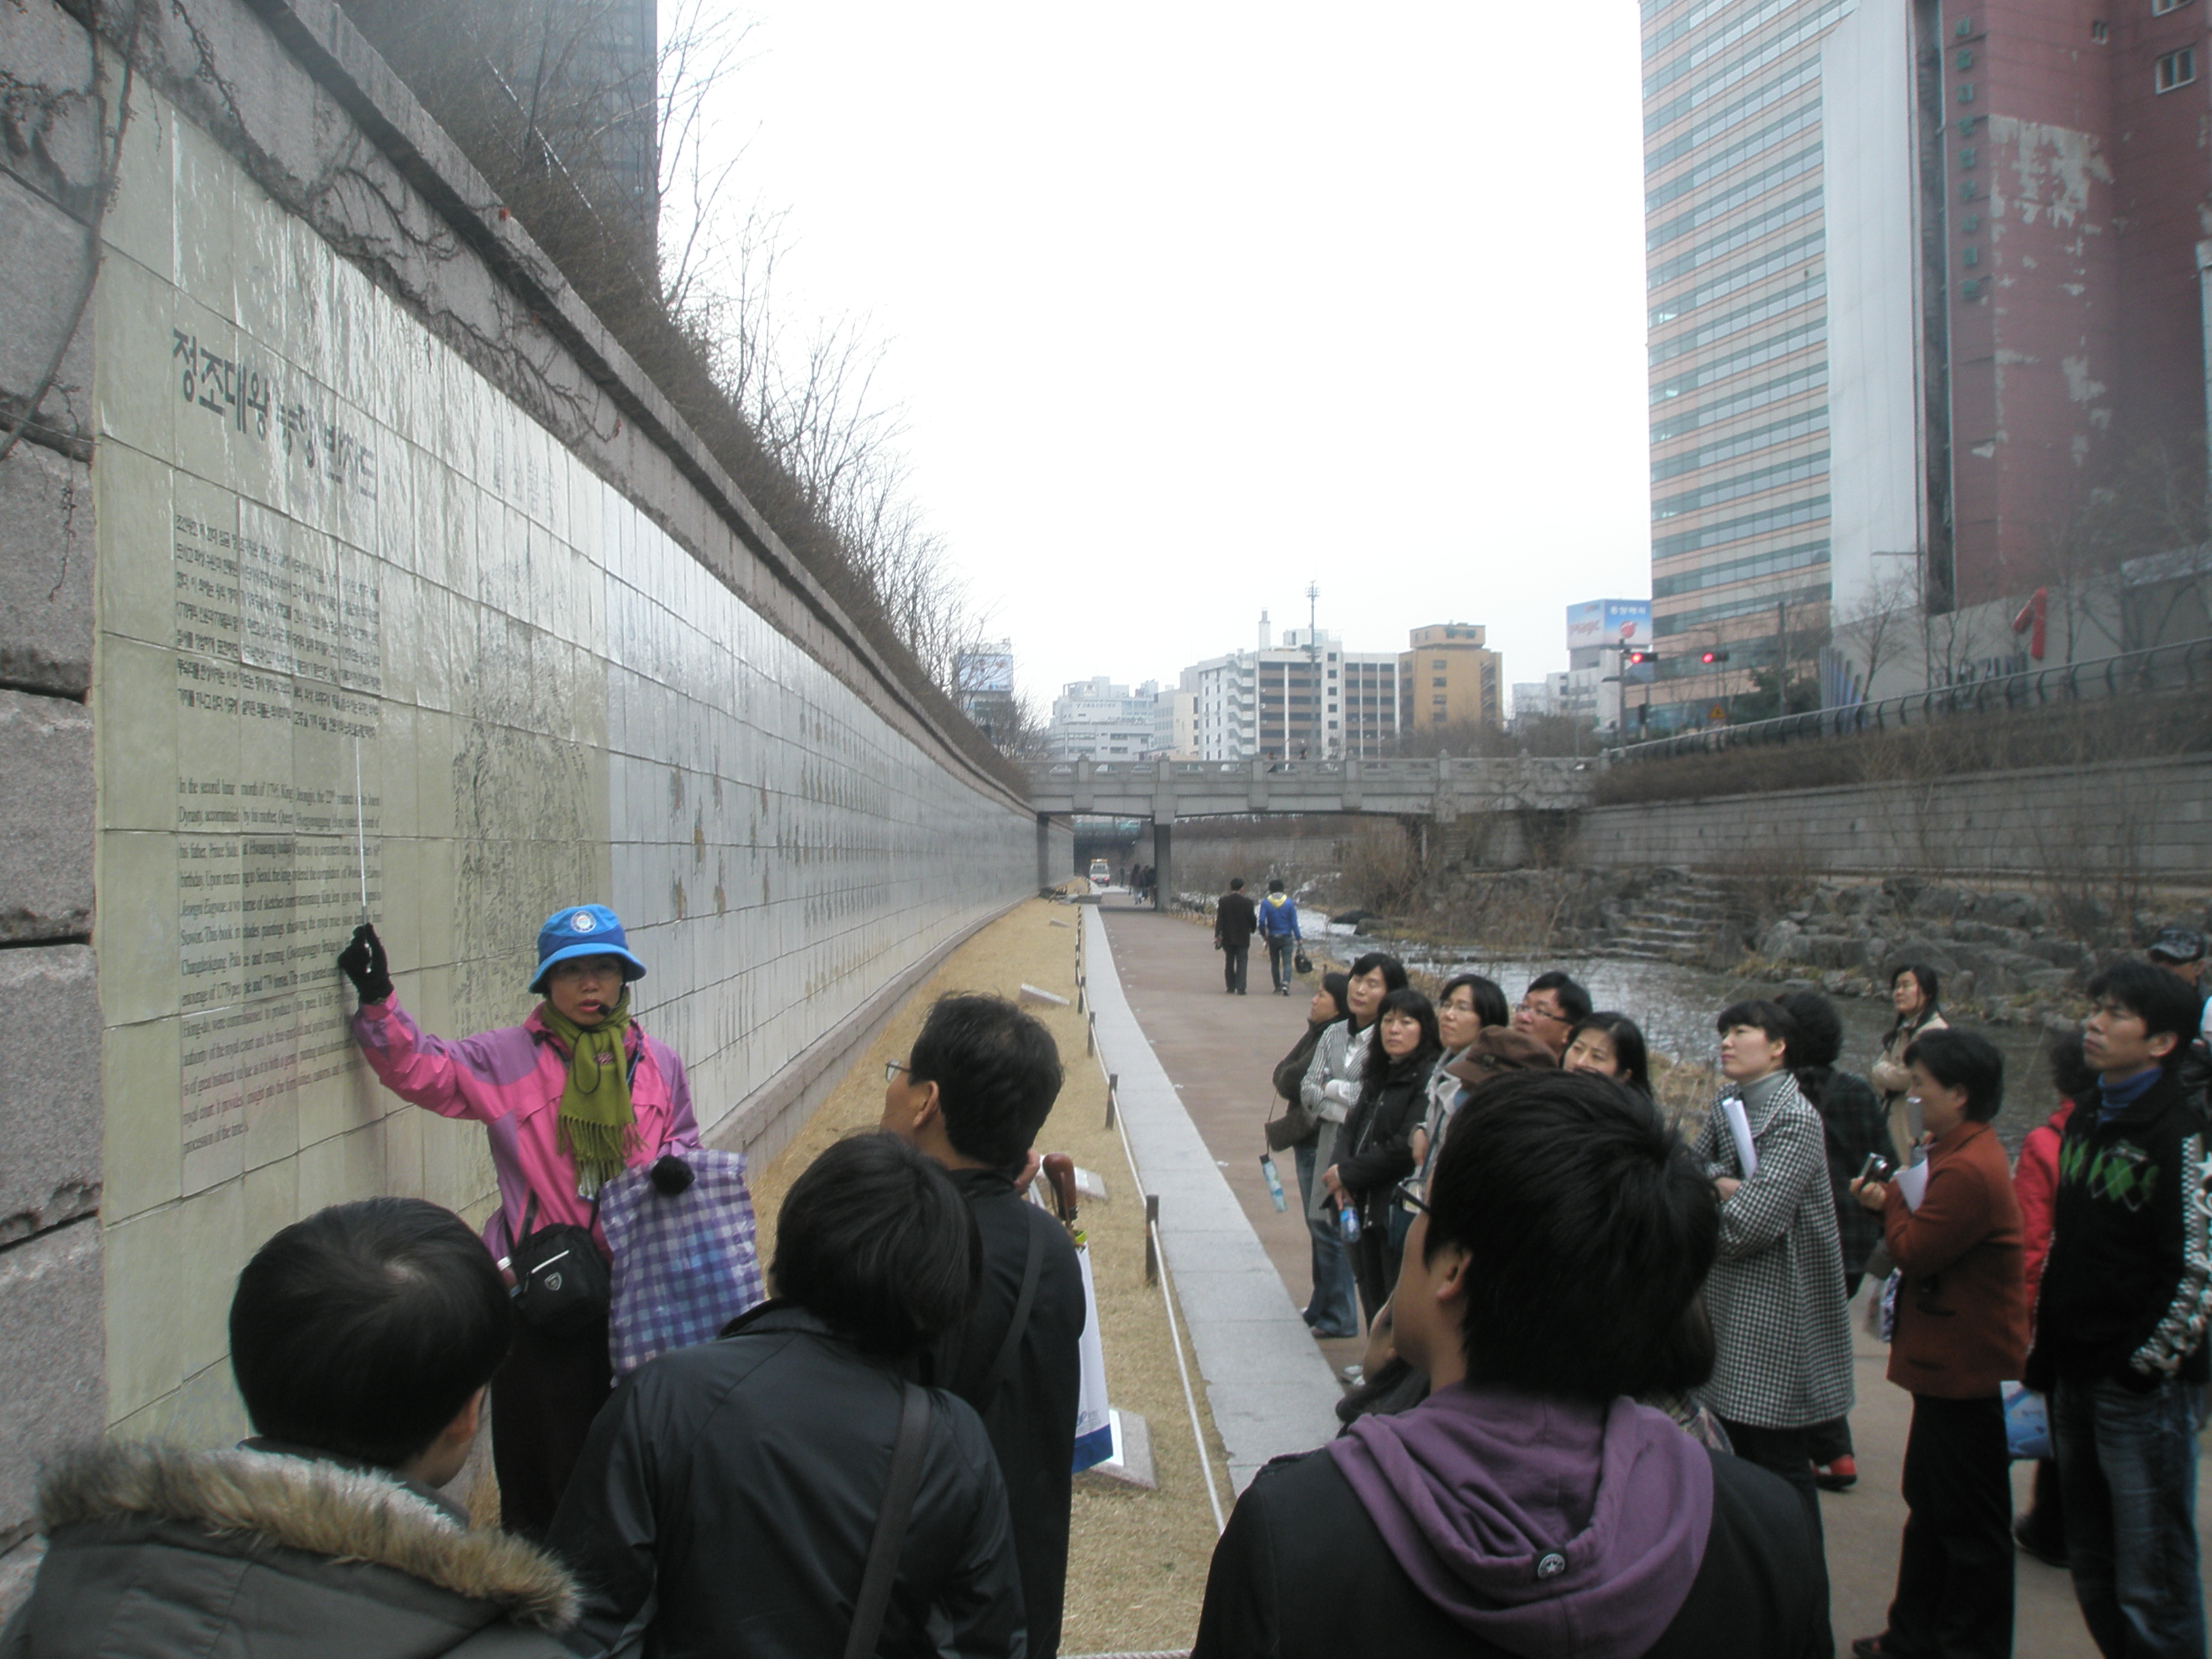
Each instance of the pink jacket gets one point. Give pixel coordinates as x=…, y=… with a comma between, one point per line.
x=510, y=1081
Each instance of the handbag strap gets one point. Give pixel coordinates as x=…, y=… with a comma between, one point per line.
x=891, y=1522
x=1003, y=1366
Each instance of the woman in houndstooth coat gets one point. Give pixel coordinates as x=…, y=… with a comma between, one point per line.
x=1776, y=1293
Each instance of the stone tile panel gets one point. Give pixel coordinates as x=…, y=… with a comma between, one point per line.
x=46, y=572
x=50, y=1104
x=46, y=817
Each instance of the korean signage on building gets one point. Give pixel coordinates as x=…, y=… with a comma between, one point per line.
x=1609, y=622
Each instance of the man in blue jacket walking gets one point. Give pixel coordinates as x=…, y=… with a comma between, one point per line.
x=1278, y=925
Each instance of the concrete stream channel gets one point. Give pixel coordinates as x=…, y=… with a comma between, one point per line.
x=1216, y=1053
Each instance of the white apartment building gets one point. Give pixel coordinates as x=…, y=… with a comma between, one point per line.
x=1102, y=720
x=1305, y=698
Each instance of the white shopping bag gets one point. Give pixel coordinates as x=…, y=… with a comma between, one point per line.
x=1094, y=1430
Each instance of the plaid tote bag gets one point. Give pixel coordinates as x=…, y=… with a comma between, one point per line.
x=685, y=1263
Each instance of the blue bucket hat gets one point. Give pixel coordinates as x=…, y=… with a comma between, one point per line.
x=583, y=930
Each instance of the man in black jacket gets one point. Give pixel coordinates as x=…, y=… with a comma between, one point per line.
x=1528, y=1506
x=973, y=1095
x=728, y=1496
x=1235, y=917
x=362, y=1339
x=2120, y=1318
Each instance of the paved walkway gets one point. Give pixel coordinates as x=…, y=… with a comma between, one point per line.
x=1269, y=1390
x=1214, y=1053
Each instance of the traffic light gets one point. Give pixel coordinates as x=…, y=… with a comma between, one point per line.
x=1637, y=659
x=1714, y=657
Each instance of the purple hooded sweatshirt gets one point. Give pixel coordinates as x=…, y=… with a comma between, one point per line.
x=1543, y=1526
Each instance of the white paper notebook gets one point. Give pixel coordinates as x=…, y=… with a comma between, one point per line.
x=1746, y=1155
x=1912, y=1184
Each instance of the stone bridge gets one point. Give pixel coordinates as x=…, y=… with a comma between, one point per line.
x=1440, y=789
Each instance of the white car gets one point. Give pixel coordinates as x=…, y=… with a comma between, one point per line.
x=1102, y=874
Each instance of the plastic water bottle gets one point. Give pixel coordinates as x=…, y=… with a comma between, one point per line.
x=1348, y=1218
x=1274, y=1180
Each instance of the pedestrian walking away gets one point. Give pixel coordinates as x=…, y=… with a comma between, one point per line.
x=573, y=1095
x=1235, y=918
x=1278, y=925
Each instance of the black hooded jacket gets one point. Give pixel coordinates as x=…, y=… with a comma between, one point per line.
x=729, y=1492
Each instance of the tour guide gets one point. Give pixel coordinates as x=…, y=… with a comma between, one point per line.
x=572, y=1096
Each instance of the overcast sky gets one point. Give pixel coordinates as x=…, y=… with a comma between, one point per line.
x=1187, y=306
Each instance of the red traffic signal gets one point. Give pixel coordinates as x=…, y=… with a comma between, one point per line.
x=1636, y=657
x=1714, y=656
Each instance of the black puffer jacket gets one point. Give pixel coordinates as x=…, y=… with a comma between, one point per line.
x=156, y=1550
x=738, y=1482
x=1376, y=1151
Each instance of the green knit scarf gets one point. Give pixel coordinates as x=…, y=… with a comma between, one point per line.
x=598, y=1125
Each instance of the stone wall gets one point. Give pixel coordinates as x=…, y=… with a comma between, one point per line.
x=349, y=566
x=2148, y=820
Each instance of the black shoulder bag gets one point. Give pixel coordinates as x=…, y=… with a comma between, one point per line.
x=906, y=1453
x=561, y=1282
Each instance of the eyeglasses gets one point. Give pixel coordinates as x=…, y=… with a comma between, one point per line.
x=1539, y=1011
x=1404, y=1193
x=893, y=1067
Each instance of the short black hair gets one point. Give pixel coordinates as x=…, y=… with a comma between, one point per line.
x=2162, y=1001
x=1490, y=1007
x=1960, y=1060
x=1275, y=885
x=1394, y=971
x=2071, y=1074
x=1574, y=1001
x=1768, y=1017
x=997, y=1072
x=1628, y=1050
x=1235, y=883
x=1820, y=1034
x=364, y=1329
x=1591, y=1227
x=875, y=1240
x=1929, y=984
x=1337, y=985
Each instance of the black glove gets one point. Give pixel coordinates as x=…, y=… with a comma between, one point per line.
x=363, y=963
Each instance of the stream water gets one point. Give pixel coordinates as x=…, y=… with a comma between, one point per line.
x=1675, y=1007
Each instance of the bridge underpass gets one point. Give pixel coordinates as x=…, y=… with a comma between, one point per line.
x=1440, y=789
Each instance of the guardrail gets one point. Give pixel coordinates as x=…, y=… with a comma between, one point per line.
x=2180, y=666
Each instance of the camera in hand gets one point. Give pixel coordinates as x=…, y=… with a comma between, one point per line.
x=1876, y=1168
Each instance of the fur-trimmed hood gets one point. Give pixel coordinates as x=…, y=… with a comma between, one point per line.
x=249, y=1499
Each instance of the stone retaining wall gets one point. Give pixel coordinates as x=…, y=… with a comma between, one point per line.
x=350, y=564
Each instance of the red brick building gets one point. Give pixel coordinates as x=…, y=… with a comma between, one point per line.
x=2066, y=186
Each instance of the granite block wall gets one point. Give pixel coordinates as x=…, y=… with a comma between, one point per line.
x=2152, y=820
x=348, y=567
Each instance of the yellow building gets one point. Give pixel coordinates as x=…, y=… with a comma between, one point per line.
x=1449, y=678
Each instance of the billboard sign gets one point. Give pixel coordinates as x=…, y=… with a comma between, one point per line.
x=1609, y=622
x=987, y=670
x=1628, y=622
x=1585, y=625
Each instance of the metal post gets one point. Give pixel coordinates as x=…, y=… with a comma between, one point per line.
x=1152, y=1238
x=1090, y=1036
x=1113, y=1095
